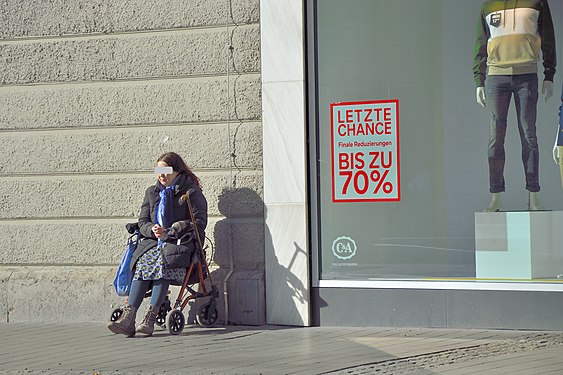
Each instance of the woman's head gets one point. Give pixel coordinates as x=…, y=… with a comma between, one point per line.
x=172, y=159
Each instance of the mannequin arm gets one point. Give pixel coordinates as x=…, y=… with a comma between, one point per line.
x=556, y=149
x=480, y=94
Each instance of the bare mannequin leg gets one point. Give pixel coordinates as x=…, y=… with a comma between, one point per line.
x=534, y=203
x=560, y=148
x=496, y=203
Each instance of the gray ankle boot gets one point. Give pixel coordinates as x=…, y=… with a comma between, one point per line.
x=125, y=325
x=147, y=325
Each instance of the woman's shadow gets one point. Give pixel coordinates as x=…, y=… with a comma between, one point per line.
x=242, y=243
x=237, y=258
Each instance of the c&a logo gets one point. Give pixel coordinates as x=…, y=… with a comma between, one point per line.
x=344, y=248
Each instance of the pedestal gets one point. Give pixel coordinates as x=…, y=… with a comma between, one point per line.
x=519, y=245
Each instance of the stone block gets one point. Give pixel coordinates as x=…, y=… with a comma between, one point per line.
x=241, y=199
x=131, y=149
x=244, y=306
x=5, y=274
x=85, y=242
x=131, y=56
x=236, y=196
x=246, y=298
x=76, y=197
x=29, y=18
x=55, y=294
x=244, y=238
x=101, y=196
x=62, y=242
x=249, y=302
x=201, y=99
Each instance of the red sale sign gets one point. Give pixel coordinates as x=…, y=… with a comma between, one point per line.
x=365, y=151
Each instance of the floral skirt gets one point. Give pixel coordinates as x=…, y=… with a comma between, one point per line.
x=151, y=267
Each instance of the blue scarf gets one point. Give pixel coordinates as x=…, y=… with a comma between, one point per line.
x=163, y=209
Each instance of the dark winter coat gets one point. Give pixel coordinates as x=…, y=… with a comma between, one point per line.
x=180, y=216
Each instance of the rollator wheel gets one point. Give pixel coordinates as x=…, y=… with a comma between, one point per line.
x=206, y=315
x=161, y=319
x=175, y=322
x=116, y=314
x=162, y=311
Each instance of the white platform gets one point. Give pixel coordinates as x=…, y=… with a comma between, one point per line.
x=519, y=245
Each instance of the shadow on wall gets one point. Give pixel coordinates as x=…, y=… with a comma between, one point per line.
x=239, y=253
x=286, y=291
x=242, y=244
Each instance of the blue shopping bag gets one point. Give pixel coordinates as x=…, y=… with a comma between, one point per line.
x=123, y=276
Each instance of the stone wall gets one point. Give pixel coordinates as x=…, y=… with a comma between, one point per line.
x=91, y=93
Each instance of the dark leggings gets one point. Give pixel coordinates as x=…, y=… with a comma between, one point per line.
x=140, y=287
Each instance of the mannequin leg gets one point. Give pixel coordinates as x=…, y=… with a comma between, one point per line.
x=496, y=203
x=499, y=93
x=525, y=101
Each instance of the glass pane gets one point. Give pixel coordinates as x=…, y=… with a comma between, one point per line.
x=419, y=54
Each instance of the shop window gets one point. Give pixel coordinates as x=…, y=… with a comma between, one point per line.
x=400, y=163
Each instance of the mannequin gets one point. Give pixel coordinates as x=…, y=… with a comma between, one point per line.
x=558, y=146
x=510, y=35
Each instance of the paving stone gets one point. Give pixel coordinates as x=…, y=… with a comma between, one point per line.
x=63, y=348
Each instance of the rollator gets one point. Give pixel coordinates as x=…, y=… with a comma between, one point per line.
x=170, y=316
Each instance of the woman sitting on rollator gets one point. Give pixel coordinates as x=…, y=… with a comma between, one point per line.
x=164, y=218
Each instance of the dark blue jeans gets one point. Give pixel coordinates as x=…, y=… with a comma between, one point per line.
x=140, y=287
x=499, y=91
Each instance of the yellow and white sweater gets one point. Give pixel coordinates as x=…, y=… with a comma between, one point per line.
x=510, y=35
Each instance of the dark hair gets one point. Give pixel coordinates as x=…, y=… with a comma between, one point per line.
x=175, y=161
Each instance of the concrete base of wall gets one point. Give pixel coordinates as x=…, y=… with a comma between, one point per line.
x=467, y=309
x=55, y=294
x=80, y=294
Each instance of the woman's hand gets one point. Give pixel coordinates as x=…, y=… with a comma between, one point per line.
x=159, y=232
